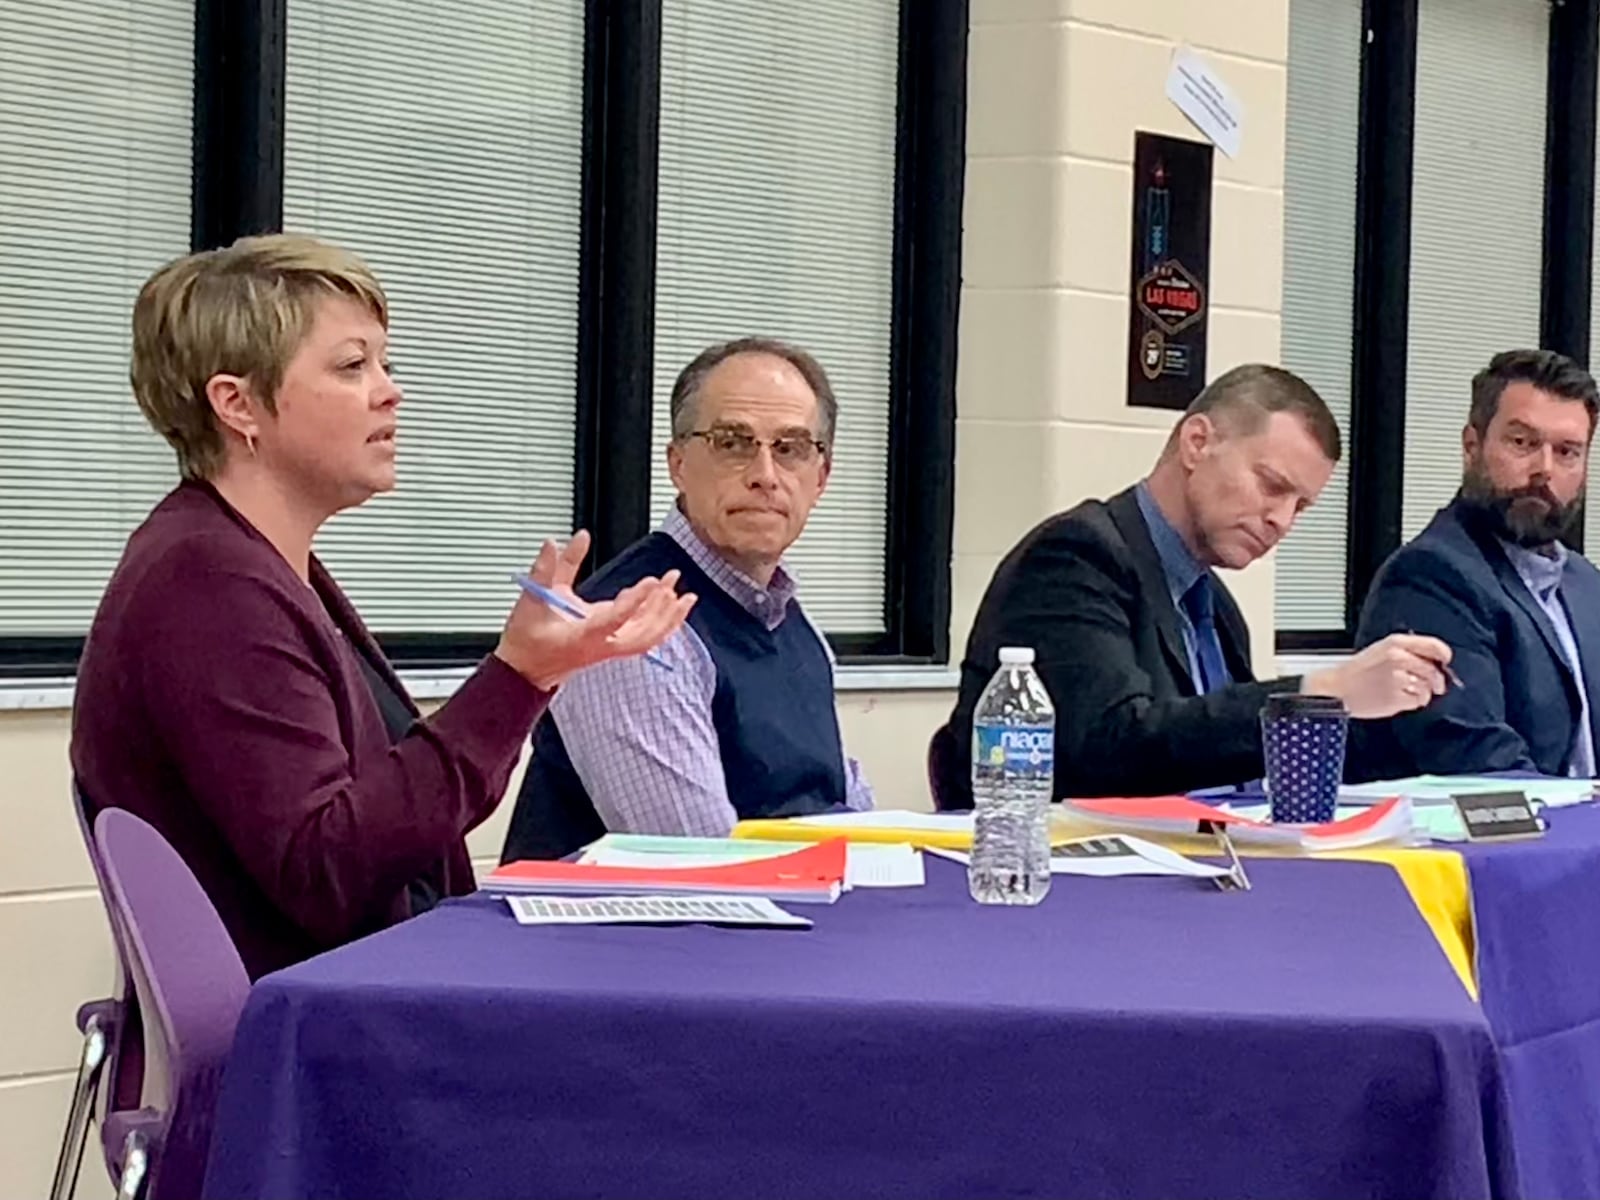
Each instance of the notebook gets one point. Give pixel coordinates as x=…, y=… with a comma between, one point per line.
x=813, y=875
x=867, y=864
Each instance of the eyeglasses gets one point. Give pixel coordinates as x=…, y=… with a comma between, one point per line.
x=735, y=448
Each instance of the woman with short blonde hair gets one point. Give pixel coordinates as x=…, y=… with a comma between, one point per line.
x=228, y=692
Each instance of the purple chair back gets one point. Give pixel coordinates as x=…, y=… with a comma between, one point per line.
x=125, y=1063
x=190, y=987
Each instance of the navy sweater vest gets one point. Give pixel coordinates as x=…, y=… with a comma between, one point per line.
x=773, y=710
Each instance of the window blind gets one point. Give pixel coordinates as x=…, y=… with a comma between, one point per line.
x=1319, y=243
x=95, y=132
x=443, y=143
x=1477, y=219
x=776, y=217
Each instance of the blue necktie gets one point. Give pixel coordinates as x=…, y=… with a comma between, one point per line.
x=1200, y=605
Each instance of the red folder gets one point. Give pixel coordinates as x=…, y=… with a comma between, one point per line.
x=815, y=874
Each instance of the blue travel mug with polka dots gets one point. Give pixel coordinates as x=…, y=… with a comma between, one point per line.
x=1303, y=741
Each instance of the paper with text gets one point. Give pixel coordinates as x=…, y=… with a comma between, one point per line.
x=651, y=910
x=1114, y=855
x=1206, y=100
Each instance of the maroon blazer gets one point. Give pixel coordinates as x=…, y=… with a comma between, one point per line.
x=221, y=699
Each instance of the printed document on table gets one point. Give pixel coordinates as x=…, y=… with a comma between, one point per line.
x=1112, y=855
x=651, y=910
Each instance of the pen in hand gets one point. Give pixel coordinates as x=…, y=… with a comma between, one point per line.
x=1449, y=671
x=565, y=607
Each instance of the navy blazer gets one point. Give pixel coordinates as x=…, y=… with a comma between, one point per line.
x=1519, y=705
x=1086, y=590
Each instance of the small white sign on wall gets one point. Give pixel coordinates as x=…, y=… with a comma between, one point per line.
x=1206, y=100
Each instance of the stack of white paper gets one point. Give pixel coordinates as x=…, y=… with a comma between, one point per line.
x=883, y=864
x=1387, y=822
x=1404, y=826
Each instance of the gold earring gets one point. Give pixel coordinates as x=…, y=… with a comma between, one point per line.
x=250, y=444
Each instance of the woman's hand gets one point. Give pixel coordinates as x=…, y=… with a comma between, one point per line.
x=545, y=646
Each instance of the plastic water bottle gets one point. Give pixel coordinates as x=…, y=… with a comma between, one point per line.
x=1013, y=775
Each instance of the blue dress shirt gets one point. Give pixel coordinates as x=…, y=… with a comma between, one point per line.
x=1541, y=573
x=1182, y=571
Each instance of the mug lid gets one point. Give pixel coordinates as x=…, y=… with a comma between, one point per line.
x=1284, y=704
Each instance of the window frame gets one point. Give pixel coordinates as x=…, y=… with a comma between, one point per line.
x=240, y=66
x=615, y=374
x=1383, y=266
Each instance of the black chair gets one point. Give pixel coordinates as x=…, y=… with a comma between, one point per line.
x=943, y=754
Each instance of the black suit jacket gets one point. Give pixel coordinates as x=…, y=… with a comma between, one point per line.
x=1519, y=706
x=1085, y=589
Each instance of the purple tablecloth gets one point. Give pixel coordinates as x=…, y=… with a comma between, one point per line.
x=1130, y=1038
x=1536, y=913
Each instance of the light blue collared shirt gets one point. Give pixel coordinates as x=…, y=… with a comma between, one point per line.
x=1179, y=565
x=1541, y=574
x=644, y=741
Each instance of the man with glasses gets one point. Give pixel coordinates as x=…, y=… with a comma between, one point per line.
x=1491, y=576
x=738, y=721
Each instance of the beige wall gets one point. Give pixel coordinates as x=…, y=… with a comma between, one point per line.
x=1057, y=89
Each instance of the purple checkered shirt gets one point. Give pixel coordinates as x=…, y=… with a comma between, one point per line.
x=642, y=739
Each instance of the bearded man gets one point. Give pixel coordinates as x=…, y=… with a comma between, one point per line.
x=1493, y=577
